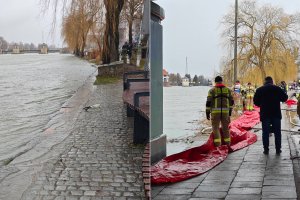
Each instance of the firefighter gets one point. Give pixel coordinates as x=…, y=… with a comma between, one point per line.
x=249, y=94
x=219, y=107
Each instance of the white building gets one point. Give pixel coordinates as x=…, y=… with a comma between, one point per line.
x=16, y=49
x=185, y=82
x=44, y=49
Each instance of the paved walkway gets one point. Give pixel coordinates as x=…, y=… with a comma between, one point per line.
x=99, y=161
x=245, y=174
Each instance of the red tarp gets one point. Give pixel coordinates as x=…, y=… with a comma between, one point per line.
x=198, y=160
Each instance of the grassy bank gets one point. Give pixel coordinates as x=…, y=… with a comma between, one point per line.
x=100, y=80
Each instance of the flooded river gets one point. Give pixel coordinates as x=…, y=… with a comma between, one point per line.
x=33, y=88
x=184, y=107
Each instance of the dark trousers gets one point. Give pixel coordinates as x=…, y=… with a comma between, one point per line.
x=276, y=127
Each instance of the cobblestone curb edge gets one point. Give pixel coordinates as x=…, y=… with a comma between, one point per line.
x=146, y=171
x=296, y=164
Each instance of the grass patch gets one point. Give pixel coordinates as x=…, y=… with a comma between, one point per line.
x=94, y=61
x=137, y=146
x=7, y=161
x=142, y=63
x=100, y=80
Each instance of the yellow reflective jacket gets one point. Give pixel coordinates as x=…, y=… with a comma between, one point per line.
x=249, y=90
x=219, y=100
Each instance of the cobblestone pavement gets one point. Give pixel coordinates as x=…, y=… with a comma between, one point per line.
x=245, y=174
x=99, y=160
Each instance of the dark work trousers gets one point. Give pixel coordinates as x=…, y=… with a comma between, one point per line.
x=276, y=126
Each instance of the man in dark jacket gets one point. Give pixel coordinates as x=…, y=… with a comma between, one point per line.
x=268, y=98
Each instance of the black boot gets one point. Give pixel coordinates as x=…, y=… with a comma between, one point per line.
x=278, y=151
x=266, y=151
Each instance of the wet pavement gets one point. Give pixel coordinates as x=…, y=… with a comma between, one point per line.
x=245, y=174
x=97, y=160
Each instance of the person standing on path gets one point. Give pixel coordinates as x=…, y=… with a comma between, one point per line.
x=219, y=107
x=298, y=107
x=249, y=94
x=268, y=98
x=237, y=96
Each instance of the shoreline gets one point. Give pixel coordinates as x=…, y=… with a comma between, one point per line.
x=21, y=168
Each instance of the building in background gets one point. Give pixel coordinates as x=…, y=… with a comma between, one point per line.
x=44, y=49
x=16, y=49
x=185, y=82
x=166, y=78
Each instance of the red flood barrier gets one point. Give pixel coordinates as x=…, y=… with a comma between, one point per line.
x=198, y=160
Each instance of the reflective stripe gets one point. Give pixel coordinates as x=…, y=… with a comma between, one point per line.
x=228, y=102
x=225, y=91
x=226, y=139
x=219, y=111
x=223, y=109
x=216, y=102
x=217, y=140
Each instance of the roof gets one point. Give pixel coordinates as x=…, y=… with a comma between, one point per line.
x=165, y=73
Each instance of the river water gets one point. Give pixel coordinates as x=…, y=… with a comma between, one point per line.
x=33, y=88
x=184, y=108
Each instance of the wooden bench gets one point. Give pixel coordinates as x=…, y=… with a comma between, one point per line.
x=136, y=97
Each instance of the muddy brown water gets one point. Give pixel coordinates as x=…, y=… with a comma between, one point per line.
x=33, y=90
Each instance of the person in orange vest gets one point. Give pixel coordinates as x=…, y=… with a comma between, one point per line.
x=218, y=108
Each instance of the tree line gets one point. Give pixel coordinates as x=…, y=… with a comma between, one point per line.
x=268, y=43
x=8, y=46
x=96, y=24
x=176, y=80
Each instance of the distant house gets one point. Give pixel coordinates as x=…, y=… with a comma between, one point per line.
x=165, y=78
x=44, y=49
x=185, y=82
x=16, y=49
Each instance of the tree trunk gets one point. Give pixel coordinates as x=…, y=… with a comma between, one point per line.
x=110, y=51
x=130, y=24
x=77, y=51
x=82, y=48
x=263, y=72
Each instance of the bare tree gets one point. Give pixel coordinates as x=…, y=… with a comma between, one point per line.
x=266, y=41
x=113, y=8
x=3, y=44
x=110, y=51
x=132, y=12
x=77, y=24
x=97, y=30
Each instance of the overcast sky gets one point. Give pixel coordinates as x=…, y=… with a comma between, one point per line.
x=192, y=29
x=21, y=20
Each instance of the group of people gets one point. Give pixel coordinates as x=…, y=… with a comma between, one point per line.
x=220, y=102
x=127, y=49
x=243, y=96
